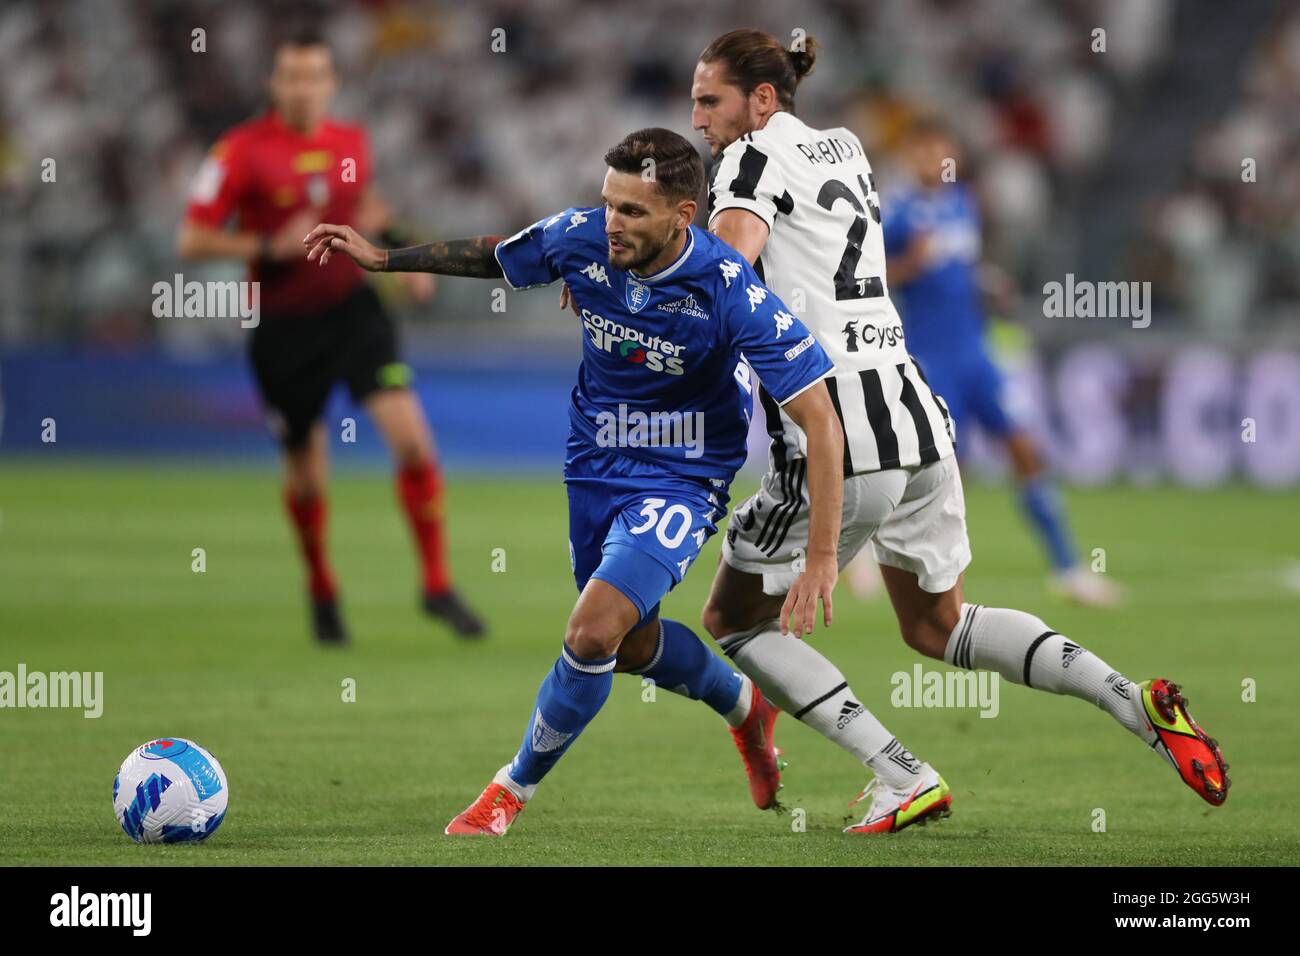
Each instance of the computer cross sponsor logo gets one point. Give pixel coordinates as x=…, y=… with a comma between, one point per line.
x=922, y=688
x=74, y=908
x=642, y=429
x=72, y=689
x=637, y=347
x=208, y=300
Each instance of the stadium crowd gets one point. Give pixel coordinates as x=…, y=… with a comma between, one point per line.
x=478, y=130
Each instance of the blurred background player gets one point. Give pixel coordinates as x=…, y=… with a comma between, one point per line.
x=932, y=241
x=278, y=175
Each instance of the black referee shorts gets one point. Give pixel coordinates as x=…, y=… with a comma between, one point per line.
x=298, y=359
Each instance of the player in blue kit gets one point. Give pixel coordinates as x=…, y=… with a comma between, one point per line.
x=659, y=420
x=932, y=241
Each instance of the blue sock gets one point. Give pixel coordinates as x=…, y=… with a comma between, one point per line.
x=683, y=665
x=570, y=696
x=1042, y=504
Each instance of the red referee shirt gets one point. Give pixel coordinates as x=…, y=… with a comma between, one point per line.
x=263, y=172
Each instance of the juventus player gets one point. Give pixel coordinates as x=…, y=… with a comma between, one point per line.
x=801, y=205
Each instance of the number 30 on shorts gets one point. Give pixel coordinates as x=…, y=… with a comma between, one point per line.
x=669, y=535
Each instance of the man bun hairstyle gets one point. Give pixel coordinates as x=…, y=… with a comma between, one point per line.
x=753, y=57
x=666, y=158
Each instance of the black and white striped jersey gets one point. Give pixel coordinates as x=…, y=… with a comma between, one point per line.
x=825, y=258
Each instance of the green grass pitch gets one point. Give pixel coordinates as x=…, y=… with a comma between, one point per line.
x=95, y=575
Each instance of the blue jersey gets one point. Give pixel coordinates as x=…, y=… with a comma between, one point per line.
x=940, y=306
x=661, y=378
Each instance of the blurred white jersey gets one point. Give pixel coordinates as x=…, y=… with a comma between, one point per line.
x=825, y=258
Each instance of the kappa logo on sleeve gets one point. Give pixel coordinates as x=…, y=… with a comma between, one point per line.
x=783, y=322
x=596, y=273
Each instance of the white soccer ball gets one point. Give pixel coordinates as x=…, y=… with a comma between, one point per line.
x=170, y=790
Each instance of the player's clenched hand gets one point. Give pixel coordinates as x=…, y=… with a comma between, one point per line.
x=327, y=239
x=799, y=613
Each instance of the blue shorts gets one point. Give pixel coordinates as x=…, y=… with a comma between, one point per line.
x=971, y=385
x=636, y=525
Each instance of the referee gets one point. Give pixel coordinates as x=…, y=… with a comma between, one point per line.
x=278, y=175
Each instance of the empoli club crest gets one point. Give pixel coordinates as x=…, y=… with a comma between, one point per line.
x=637, y=294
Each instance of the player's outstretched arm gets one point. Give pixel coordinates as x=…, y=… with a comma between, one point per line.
x=813, y=412
x=474, y=257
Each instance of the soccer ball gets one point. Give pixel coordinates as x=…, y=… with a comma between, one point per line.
x=170, y=790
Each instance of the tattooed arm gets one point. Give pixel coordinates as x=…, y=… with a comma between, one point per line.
x=473, y=257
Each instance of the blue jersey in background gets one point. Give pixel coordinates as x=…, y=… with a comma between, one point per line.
x=940, y=306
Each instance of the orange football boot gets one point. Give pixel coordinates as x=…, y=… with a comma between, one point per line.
x=490, y=815
x=754, y=741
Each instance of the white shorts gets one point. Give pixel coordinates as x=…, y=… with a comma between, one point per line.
x=915, y=519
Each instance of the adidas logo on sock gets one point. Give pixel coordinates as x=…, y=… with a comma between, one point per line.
x=849, y=710
x=1069, y=652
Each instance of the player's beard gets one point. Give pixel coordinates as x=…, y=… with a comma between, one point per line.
x=650, y=255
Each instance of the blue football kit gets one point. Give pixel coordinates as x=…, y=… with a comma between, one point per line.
x=660, y=415
x=940, y=306
x=658, y=420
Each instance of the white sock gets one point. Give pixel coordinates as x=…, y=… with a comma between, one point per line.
x=518, y=789
x=1024, y=650
x=797, y=678
x=736, y=716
